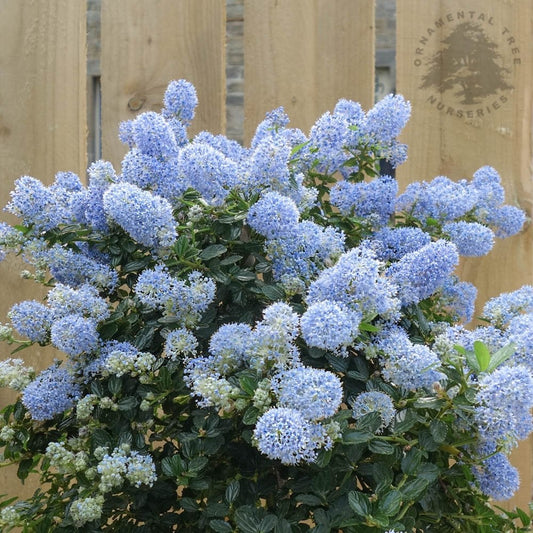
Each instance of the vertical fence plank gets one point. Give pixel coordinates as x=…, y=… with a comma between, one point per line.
x=147, y=44
x=465, y=118
x=304, y=55
x=42, y=128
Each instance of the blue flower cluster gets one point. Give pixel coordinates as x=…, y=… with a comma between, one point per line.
x=316, y=393
x=391, y=244
x=505, y=398
x=39, y=206
x=451, y=203
x=207, y=170
x=186, y=300
x=75, y=269
x=508, y=305
x=51, y=393
x=458, y=298
x=74, y=335
x=285, y=434
x=374, y=201
x=31, y=319
x=146, y=217
x=497, y=477
x=408, y=365
x=330, y=326
x=357, y=281
x=419, y=274
x=471, y=238
x=312, y=395
x=337, y=136
x=374, y=402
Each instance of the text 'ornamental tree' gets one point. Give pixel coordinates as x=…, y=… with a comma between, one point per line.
x=264, y=339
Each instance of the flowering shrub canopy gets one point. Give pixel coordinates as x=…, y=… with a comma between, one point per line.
x=264, y=338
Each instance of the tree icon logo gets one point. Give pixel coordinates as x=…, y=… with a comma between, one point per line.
x=468, y=66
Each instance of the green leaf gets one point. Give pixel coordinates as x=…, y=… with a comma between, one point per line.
x=248, y=384
x=438, y=430
x=250, y=416
x=26, y=466
x=323, y=458
x=197, y=463
x=136, y=266
x=220, y=526
x=144, y=338
x=427, y=442
x=383, y=476
x=429, y=472
x=263, y=267
x=359, y=503
x=405, y=420
x=501, y=356
x=412, y=490
x=369, y=422
x=316, y=353
x=245, y=275
x=188, y=504
x=101, y=437
x=231, y=259
x=273, y=292
x=391, y=502
x=471, y=359
x=365, y=326
x=411, y=461
x=321, y=518
x=526, y=520
x=381, y=447
x=283, y=526
x=357, y=437
x=97, y=388
x=358, y=376
x=429, y=403
x=107, y=330
x=246, y=520
x=114, y=385
x=232, y=491
x=482, y=353
x=130, y=402
x=172, y=466
x=309, y=499
x=268, y=523
x=214, y=250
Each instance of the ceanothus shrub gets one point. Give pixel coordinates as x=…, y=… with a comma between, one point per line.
x=263, y=338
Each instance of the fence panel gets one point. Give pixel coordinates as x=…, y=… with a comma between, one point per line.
x=42, y=128
x=147, y=44
x=465, y=117
x=305, y=55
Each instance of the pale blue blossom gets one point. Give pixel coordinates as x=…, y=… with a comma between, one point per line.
x=284, y=434
x=316, y=393
x=53, y=392
x=330, y=326
x=31, y=319
x=146, y=217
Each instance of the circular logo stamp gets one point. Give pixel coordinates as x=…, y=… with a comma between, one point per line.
x=470, y=74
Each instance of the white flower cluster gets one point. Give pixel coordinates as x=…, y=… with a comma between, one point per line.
x=122, y=465
x=9, y=516
x=64, y=459
x=86, y=510
x=119, y=363
x=14, y=375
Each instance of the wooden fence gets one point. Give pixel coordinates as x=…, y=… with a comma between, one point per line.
x=302, y=54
